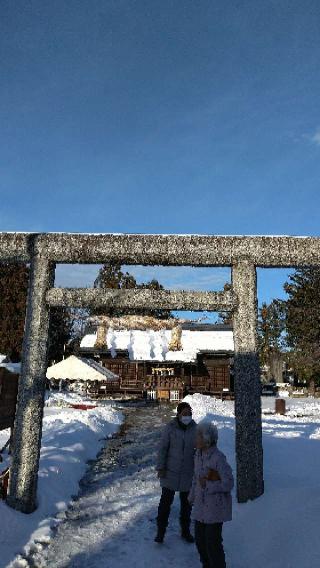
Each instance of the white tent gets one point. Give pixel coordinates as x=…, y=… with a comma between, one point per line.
x=80, y=369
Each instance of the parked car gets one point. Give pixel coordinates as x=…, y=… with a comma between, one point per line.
x=269, y=389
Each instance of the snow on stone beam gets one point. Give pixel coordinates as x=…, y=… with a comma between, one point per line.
x=182, y=250
x=141, y=299
x=167, y=250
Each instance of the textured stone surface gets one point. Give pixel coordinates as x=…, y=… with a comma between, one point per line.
x=136, y=322
x=15, y=246
x=249, y=453
x=29, y=413
x=148, y=299
x=175, y=250
x=188, y=250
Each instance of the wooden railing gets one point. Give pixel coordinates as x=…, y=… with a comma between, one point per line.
x=171, y=383
x=202, y=384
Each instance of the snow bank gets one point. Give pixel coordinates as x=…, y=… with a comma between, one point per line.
x=305, y=407
x=12, y=367
x=70, y=438
x=283, y=393
x=66, y=399
x=204, y=407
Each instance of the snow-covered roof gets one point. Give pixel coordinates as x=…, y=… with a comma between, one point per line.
x=12, y=367
x=80, y=369
x=6, y=364
x=154, y=345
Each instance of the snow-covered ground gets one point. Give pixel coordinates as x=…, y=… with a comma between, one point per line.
x=280, y=529
x=70, y=438
x=113, y=522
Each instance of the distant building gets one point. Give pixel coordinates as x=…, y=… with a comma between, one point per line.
x=146, y=364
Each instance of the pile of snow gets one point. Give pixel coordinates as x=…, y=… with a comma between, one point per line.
x=206, y=406
x=66, y=399
x=70, y=438
x=304, y=407
x=283, y=393
x=154, y=345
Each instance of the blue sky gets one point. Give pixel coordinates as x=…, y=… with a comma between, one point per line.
x=149, y=116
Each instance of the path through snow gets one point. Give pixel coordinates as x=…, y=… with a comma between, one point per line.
x=112, y=524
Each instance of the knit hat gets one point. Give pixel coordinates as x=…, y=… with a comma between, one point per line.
x=182, y=406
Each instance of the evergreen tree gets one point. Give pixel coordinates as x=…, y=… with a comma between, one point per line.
x=13, y=296
x=303, y=322
x=112, y=276
x=271, y=329
x=60, y=333
x=154, y=285
x=13, y=293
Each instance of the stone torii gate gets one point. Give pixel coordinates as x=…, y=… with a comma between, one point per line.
x=243, y=254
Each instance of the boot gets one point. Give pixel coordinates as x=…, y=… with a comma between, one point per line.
x=160, y=535
x=187, y=536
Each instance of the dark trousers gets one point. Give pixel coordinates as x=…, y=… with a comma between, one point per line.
x=166, y=501
x=210, y=544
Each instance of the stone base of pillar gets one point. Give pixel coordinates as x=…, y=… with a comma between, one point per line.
x=249, y=452
x=19, y=505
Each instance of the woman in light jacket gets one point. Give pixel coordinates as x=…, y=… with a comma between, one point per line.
x=211, y=496
x=175, y=469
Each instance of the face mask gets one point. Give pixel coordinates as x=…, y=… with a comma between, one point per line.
x=185, y=420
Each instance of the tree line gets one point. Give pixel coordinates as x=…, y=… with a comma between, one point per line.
x=292, y=326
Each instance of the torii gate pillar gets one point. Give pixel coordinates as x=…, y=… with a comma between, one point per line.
x=249, y=452
x=29, y=412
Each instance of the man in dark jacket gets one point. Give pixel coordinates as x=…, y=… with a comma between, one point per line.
x=175, y=469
